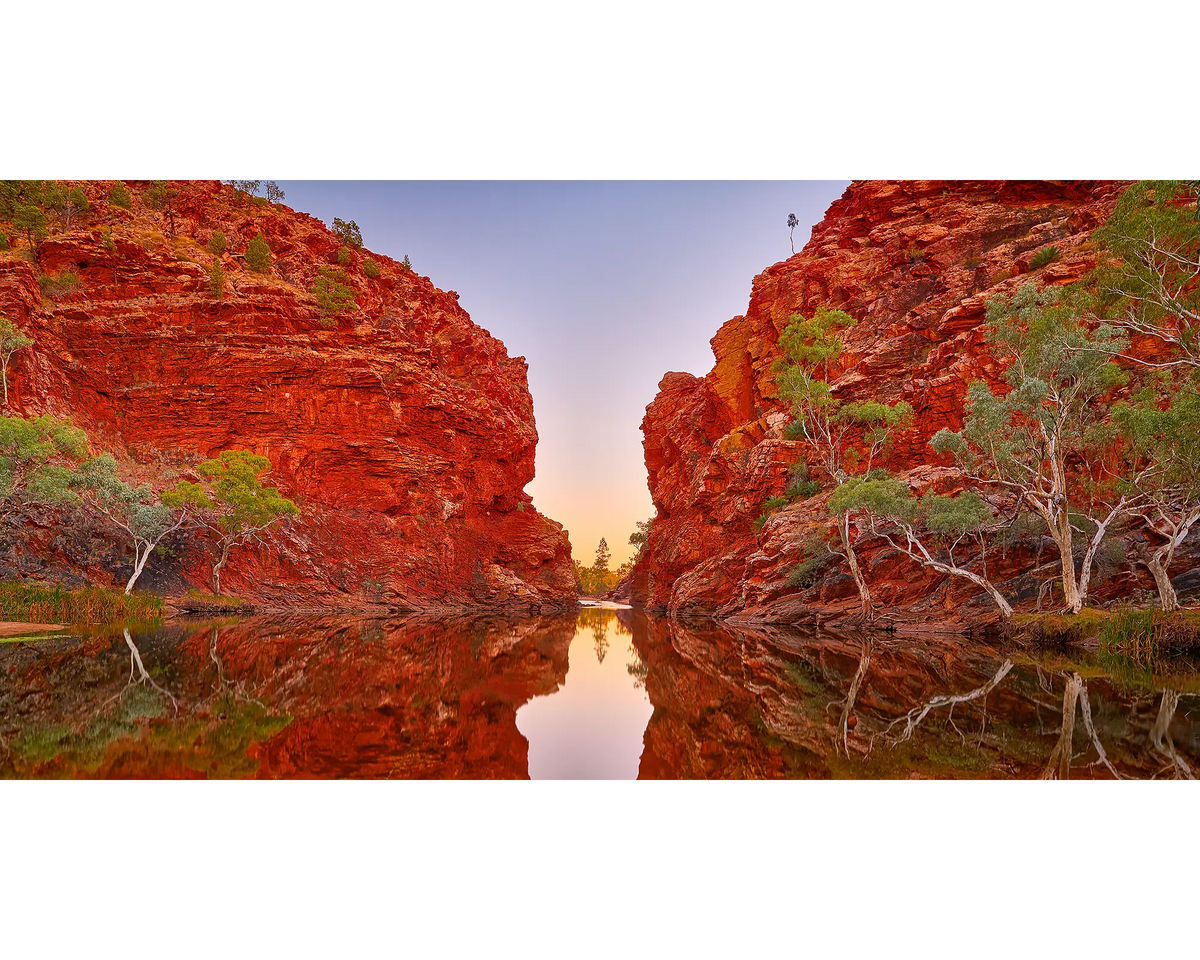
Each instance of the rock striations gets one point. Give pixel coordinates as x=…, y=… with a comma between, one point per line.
x=405, y=431
x=914, y=262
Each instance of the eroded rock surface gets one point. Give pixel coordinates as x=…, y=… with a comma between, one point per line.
x=914, y=262
x=404, y=430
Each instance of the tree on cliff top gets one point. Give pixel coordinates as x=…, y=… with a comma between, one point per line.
x=243, y=509
x=348, y=232
x=793, y=223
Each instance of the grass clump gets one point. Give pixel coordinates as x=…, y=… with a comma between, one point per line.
x=914, y=253
x=59, y=284
x=371, y=269
x=1043, y=257
x=800, y=485
x=37, y=603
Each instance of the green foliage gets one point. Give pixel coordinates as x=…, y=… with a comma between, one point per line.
x=258, y=254
x=66, y=201
x=216, y=279
x=333, y=292
x=30, y=219
x=274, y=192
x=809, y=571
x=137, y=509
x=161, y=196
x=406, y=264
x=12, y=339
x=1146, y=283
x=800, y=486
x=343, y=256
x=244, y=504
x=1046, y=255
x=119, y=196
x=110, y=245
x=36, y=459
x=1165, y=432
x=598, y=578
x=3, y=240
x=60, y=284
x=811, y=347
x=371, y=269
x=217, y=243
x=771, y=504
x=1058, y=371
x=641, y=537
x=250, y=187
x=815, y=343
x=348, y=232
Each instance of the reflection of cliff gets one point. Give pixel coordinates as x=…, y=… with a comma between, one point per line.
x=779, y=703
x=404, y=430
x=915, y=263
x=362, y=698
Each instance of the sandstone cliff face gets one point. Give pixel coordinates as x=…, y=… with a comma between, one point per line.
x=915, y=263
x=405, y=431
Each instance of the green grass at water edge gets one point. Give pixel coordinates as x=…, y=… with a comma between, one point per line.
x=36, y=603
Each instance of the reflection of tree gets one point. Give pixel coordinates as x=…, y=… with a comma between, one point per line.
x=638, y=669
x=917, y=714
x=1076, y=691
x=864, y=661
x=135, y=660
x=1160, y=735
x=224, y=687
x=599, y=641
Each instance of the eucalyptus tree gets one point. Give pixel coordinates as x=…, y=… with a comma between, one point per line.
x=11, y=340
x=793, y=223
x=1165, y=437
x=145, y=517
x=1046, y=439
x=37, y=459
x=846, y=438
x=241, y=508
x=934, y=531
x=1148, y=283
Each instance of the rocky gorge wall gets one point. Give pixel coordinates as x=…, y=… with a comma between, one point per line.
x=404, y=431
x=914, y=262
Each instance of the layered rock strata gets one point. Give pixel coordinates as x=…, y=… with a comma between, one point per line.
x=404, y=431
x=915, y=263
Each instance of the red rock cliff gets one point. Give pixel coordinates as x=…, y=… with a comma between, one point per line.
x=914, y=262
x=404, y=430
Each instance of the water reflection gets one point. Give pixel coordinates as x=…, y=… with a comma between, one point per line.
x=605, y=694
x=591, y=728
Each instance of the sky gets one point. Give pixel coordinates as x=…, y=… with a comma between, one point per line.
x=603, y=287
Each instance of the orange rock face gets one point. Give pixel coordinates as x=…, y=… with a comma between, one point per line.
x=914, y=262
x=403, y=430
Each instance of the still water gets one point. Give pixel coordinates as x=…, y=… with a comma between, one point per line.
x=607, y=693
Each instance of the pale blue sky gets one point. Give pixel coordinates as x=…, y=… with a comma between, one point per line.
x=602, y=286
